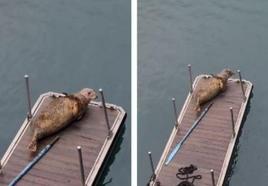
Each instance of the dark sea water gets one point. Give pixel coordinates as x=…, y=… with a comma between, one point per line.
x=65, y=45
x=211, y=35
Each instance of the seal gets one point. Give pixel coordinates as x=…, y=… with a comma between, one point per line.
x=60, y=112
x=213, y=87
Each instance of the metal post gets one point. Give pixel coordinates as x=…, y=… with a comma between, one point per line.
x=241, y=83
x=79, y=150
x=29, y=115
x=152, y=165
x=1, y=168
x=175, y=112
x=191, y=77
x=105, y=113
x=232, y=118
x=212, y=177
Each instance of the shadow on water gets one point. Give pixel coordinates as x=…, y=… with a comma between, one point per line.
x=115, y=148
x=235, y=155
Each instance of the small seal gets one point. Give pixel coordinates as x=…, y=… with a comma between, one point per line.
x=213, y=87
x=60, y=112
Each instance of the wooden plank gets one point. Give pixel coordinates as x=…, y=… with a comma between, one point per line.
x=211, y=144
x=60, y=165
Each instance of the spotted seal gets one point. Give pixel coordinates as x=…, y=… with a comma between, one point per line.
x=60, y=112
x=213, y=87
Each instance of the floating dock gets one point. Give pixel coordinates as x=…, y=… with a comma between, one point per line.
x=60, y=166
x=209, y=147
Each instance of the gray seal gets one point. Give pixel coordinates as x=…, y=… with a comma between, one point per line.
x=59, y=113
x=213, y=87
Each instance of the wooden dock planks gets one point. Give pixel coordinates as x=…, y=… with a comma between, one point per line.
x=60, y=166
x=210, y=145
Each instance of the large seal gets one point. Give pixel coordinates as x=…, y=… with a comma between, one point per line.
x=60, y=112
x=213, y=86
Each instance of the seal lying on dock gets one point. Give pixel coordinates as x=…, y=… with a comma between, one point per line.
x=60, y=112
x=214, y=86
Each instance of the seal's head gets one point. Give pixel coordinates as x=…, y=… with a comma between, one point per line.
x=89, y=93
x=229, y=72
x=226, y=73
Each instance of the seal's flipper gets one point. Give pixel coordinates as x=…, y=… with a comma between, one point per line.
x=65, y=94
x=33, y=144
x=216, y=76
x=212, y=75
x=197, y=106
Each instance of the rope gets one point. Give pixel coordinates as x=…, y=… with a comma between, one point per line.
x=183, y=174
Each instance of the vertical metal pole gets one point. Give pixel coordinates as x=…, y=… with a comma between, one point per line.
x=191, y=77
x=232, y=118
x=241, y=83
x=1, y=168
x=175, y=112
x=29, y=115
x=212, y=177
x=105, y=113
x=79, y=150
x=152, y=165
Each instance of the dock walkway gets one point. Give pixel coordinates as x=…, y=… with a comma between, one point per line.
x=210, y=145
x=60, y=166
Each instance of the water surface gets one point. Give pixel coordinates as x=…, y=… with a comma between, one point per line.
x=65, y=45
